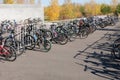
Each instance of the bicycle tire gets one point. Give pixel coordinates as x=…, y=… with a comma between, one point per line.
x=20, y=47
x=47, y=45
x=29, y=42
x=62, y=39
x=83, y=33
x=12, y=53
x=116, y=53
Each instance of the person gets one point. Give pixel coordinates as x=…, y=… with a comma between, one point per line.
x=81, y=24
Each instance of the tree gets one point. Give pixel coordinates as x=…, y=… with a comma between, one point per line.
x=88, y=9
x=28, y=1
x=70, y=10
x=98, y=9
x=20, y=1
x=118, y=8
x=105, y=9
x=82, y=10
x=92, y=8
x=67, y=10
x=114, y=4
x=76, y=10
x=8, y=1
x=52, y=11
x=32, y=1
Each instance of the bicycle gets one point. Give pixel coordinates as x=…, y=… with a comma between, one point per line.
x=58, y=37
x=116, y=49
x=41, y=39
x=27, y=39
x=6, y=51
x=18, y=45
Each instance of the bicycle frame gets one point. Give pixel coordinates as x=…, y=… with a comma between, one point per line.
x=3, y=53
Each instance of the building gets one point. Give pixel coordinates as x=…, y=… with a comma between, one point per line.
x=21, y=11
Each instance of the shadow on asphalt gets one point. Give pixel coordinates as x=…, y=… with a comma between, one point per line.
x=107, y=29
x=2, y=59
x=100, y=62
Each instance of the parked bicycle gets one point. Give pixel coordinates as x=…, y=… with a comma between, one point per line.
x=7, y=52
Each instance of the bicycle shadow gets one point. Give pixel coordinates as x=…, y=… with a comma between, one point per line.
x=2, y=59
x=40, y=49
x=97, y=58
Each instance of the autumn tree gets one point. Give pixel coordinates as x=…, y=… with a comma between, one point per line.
x=92, y=8
x=52, y=11
x=29, y=1
x=82, y=10
x=67, y=10
x=118, y=8
x=105, y=9
x=114, y=4
x=19, y=1
x=76, y=10
x=32, y=1
x=98, y=9
x=8, y=1
x=88, y=9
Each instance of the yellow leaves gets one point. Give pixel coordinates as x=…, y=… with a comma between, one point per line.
x=32, y=1
x=92, y=8
x=88, y=8
x=67, y=10
x=77, y=11
x=98, y=9
x=70, y=10
x=114, y=4
x=52, y=12
x=19, y=1
x=9, y=1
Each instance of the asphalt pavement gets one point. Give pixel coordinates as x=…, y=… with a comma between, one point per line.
x=83, y=59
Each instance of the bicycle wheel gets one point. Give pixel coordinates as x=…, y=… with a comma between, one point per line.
x=92, y=29
x=116, y=48
x=102, y=25
x=48, y=34
x=8, y=41
x=47, y=45
x=9, y=52
x=62, y=39
x=72, y=36
x=83, y=33
x=20, y=48
x=29, y=42
x=116, y=53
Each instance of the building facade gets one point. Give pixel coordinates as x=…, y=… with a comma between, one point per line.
x=22, y=11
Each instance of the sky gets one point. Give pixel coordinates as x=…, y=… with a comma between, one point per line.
x=46, y=2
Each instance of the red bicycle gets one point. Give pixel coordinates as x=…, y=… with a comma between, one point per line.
x=7, y=53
